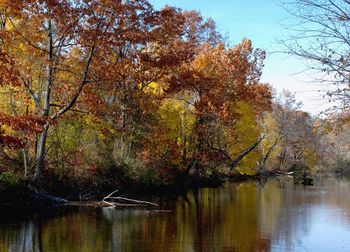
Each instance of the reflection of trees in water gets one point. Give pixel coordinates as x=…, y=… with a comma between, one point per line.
x=240, y=217
x=339, y=197
x=224, y=219
x=209, y=220
x=76, y=231
x=293, y=221
x=22, y=237
x=300, y=205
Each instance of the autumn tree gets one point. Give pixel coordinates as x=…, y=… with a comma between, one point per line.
x=218, y=79
x=132, y=100
x=15, y=125
x=119, y=86
x=82, y=47
x=333, y=142
x=277, y=124
x=291, y=140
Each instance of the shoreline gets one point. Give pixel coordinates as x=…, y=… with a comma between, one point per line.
x=27, y=198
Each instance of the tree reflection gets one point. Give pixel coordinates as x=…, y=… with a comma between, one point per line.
x=238, y=217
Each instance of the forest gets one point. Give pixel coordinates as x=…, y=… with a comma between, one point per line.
x=98, y=95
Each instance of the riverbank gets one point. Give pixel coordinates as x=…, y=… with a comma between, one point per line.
x=22, y=193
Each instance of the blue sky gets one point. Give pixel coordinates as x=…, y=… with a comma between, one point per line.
x=260, y=21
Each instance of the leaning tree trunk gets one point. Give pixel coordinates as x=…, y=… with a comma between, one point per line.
x=235, y=162
x=268, y=153
x=42, y=137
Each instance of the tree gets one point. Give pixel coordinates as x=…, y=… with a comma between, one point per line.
x=78, y=48
x=13, y=122
x=177, y=116
x=218, y=79
x=321, y=36
x=290, y=140
x=132, y=102
x=244, y=140
x=333, y=142
x=112, y=87
x=277, y=125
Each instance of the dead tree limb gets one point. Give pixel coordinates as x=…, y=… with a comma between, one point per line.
x=134, y=201
x=110, y=200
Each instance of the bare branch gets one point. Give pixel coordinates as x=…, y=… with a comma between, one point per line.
x=80, y=88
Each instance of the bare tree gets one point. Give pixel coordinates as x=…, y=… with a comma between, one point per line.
x=283, y=111
x=321, y=36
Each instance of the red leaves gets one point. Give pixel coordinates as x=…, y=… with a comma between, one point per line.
x=8, y=72
x=11, y=142
x=27, y=123
x=260, y=96
x=221, y=77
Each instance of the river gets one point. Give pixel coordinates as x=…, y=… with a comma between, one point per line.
x=249, y=216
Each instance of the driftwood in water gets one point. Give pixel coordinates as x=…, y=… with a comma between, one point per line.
x=109, y=200
x=134, y=201
x=274, y=173
x=98, y=204
x=283, y=173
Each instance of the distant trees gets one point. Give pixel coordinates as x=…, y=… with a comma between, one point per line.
x=291, y=139
x=334, y=143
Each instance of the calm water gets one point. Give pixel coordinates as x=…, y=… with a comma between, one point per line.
x=250, y=216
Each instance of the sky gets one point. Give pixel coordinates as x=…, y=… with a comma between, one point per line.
x=262, y=22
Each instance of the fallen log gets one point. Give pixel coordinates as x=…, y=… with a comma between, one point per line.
x=134, y=201
x=110, y=201
x=97, y=204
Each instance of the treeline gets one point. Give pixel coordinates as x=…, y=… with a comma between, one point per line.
x=115, y=92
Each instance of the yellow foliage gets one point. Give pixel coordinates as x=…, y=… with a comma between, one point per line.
x=155, y=88
x=271, y=130
x=178, y=118
x=246, y=133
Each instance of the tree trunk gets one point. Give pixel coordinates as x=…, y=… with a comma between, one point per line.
x=40, y=153
x=268, y=153
x=235, y=162
x=42, y=137
x=184, y=138
x=282, y=158
x=25, y=162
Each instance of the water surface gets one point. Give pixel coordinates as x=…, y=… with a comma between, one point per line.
x=249, y=216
